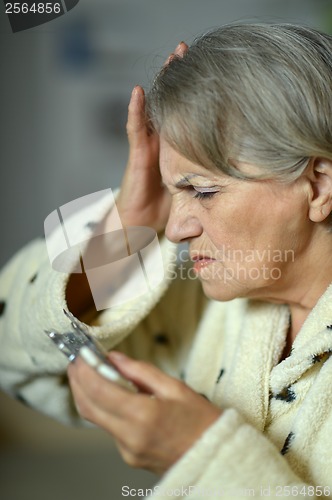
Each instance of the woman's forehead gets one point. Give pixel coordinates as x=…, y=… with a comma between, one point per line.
x=173, y=164
x=181, y=170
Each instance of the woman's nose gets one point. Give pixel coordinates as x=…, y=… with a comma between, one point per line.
x=182, y=225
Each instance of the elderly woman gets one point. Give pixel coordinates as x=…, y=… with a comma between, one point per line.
x=243, y=122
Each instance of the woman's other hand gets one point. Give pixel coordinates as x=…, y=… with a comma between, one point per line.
x=151, y=432
x=143, y=200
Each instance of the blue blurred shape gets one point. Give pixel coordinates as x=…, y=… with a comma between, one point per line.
x=75, y=49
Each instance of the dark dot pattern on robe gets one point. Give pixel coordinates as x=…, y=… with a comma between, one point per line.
x=21, y=399
x=222, y=371
x=161, y=338
x=319, y=358
x=329, y=327
x=287, y=444
x=33, y=278
x=64, y=380
x=287, y=394
x=91, y=225
x=2, y=307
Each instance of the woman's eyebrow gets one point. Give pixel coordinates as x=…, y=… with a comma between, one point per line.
x=185, y=180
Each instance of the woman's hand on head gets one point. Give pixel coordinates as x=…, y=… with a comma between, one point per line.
x=143, y=200
x=151, y=432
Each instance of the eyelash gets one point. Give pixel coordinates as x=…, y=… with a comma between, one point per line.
x=204, y=195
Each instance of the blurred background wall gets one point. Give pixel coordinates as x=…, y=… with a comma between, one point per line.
x=65, y=87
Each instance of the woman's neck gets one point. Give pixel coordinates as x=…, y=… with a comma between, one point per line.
x=308, y=279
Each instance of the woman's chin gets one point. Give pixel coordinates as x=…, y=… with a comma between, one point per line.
x=221, y=291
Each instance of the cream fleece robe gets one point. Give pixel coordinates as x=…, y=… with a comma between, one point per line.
x=274, y=436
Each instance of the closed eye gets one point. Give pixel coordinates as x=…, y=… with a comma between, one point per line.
x=200, y=192
x=204, y=195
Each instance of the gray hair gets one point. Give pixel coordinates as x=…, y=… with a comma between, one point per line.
x=257, y=93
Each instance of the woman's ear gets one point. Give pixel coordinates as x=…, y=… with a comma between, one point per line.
x=320, y=178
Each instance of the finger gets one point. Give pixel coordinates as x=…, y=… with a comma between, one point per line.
x=181, y=49
x=99, y=391
x=136, y=123
x=119, y=418
x=88, y=409
x=169, y=59
x=114, y=424
x=148, y=377
x=92, y=413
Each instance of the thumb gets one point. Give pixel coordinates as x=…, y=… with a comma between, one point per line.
x=147, y=378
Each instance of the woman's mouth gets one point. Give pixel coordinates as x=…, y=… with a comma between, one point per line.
x=200, y=262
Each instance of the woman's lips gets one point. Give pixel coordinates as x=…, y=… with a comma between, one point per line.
x=201, y=262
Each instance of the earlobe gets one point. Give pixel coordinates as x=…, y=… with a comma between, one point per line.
x=320, y=177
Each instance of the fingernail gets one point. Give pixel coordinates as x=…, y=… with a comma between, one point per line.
x=137, y=91
x=179, y=48
x=89, y=357
x=108, y=372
